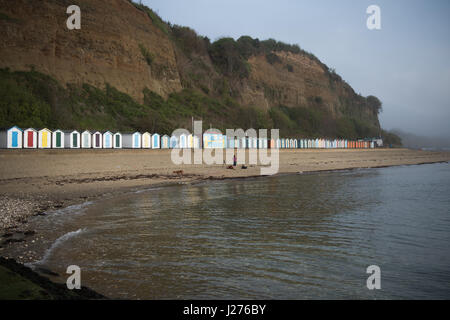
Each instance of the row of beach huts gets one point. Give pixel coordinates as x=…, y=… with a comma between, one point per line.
x=16, y=138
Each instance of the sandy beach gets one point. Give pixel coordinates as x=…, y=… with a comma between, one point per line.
x=34, y=181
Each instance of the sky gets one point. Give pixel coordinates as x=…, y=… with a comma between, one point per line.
x=406, y=63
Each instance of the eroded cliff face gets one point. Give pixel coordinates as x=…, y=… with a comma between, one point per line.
x=109, y=49
x=105, y=50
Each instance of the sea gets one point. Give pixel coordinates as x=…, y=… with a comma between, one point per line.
x=381, y=233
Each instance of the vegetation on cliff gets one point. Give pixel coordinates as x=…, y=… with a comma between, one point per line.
x=32, y=99
x=227, y=83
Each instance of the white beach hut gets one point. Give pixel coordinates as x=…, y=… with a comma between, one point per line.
x=132, y=140
x=71, y=139
x=117, y=140
x=86, y=139
x=146, y=140
x=165, y=142
x=190, y=141
x=173, y=142
x=58, y=139
x=97, y=140
x=11, y=138
x=183, y=143
x=108, y=140
x=196, y=142
x=30, y=138
x=44, y=139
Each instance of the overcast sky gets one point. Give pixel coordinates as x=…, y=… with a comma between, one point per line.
x=405, y=64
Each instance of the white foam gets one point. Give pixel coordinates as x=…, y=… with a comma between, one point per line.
x=57, y=243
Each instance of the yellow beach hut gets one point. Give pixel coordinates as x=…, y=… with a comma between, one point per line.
x=165, y=140
x=146, y=140
x=44, y=139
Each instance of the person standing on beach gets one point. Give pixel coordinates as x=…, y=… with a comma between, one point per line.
x=234, y=160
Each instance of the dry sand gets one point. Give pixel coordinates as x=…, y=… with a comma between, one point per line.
x=33, y=181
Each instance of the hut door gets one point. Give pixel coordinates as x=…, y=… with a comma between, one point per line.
x=107, y=142
x=44, y=139
x=58, y=139
x=74, y=140
x=30, y=139
x=15, y=142
x=97, y=140
x=86, y=140
x=136, y=141
x=117, y=141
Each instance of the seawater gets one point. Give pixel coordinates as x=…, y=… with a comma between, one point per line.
x=306, y=236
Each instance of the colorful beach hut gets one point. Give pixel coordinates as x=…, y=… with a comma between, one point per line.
x=97, y=140
x=44, y=139
x=71, y=139
x=108, y=140
x=58, y=139
x=146, y=140
x=30, y=138
x=165, y=142
x=117, y=138
x=183, y=142
x=156, y=141
x=86, y=139
x=173, y=142
x=11, y=138
x=132, y=140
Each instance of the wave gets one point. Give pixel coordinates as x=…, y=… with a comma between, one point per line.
x=56, y=244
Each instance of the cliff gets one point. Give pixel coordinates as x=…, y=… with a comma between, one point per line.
x=168, y=74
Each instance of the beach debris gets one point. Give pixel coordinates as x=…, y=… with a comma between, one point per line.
x=179, y=172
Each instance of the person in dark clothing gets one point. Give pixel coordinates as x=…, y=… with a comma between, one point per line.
x=234, y=161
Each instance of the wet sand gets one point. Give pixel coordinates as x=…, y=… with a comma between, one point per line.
x=34, y=181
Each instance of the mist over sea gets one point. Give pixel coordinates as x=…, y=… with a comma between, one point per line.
x=305, y=236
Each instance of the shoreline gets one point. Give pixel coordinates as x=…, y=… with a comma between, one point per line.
x=47, y=193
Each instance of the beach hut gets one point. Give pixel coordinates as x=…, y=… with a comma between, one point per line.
x=97, y=138
x=165, y=141
x=44, y=139
x=190, y=141
x=173, y=144
x=132, y=140
x=196, y=142
x=213, y=140
x=108, y=140
x=71, y=139
x=86, y=139
x=183, y=143
x=58, y=139
x=30, y=138
x=146, y=140
x=117, y=138
x=243, y=143
x=295, y=144
x=157, y=141
x=11, y=138
x=236, y=143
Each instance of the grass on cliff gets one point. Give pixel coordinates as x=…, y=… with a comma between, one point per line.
x=32, y=99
